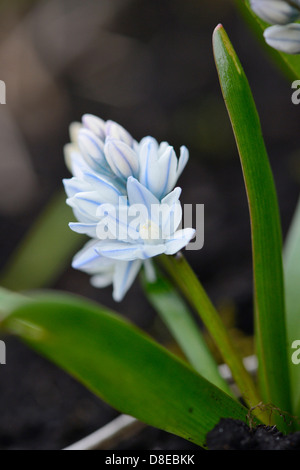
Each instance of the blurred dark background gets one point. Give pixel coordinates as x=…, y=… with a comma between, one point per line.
x=149, y=66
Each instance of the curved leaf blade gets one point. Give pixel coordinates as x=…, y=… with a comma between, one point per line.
x=122, y=365
x=292, y=276
x=265, y=224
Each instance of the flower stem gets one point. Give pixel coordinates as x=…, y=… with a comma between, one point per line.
x=185, y=278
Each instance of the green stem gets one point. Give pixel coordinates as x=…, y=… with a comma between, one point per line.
x=185, y=278
x=179, y=320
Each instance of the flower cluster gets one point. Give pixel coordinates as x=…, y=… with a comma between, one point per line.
x=284, y=35
x=115, y=178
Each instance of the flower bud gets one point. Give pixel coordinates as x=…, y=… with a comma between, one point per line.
x=284, y=38
x=275, y=11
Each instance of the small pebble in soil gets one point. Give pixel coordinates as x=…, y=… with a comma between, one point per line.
x=232, y=434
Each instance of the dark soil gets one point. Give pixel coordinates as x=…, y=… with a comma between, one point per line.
x=231, y=434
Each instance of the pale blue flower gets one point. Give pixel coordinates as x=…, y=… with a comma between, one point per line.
x=106, y=148
x=113, y=175
x=105, y=271
x=284, y=35
x=156, y=231
x=159, y=166
x=284, y=38
x=276, y=11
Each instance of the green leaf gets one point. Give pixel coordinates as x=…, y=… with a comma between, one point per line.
x=179, y=320
x=265, y=224
x=289, y=64
x=122, y=365
x=186, y=280
x=46, y=250
x=292, y=277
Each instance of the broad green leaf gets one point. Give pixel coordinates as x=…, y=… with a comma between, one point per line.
x=176, y=315
x=122, y=365
x=265, y=224
x=289, y=64
x=46, y=250
x=292, y=280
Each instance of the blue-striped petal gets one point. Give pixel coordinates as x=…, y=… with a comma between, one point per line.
x=168, y=168
x=150, y=174
x=114, y=224
x=179, y=240
x=140, y=195
x=125, y=274
x=87, y=203
x=123, y=251
x=88, y=260
x=284, y=38
x=122, y=159
x=86, y=229
x=105, y=187
x=115, y=131
x=172, y=215
x=94, y=124
x=92, y=148
x=274, y=11
x=75, y=185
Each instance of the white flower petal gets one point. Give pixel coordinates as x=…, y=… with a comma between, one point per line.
x=151, y=175
x=82, y=217
x=94, y=124
x=88, y=203
x=102, y=280
x=88, y=260
x=146, y=139
x=105, y=187
x=85, y=229
x=168, y=169
x=69, y=150
x=183, y=159
x=149, y=270
x=139, y=195
x=162, y=148
x=274, y=11
x=115, y=131
x=75, y=185
x=172, y=218
x=78, y=165
x=173, y=197
x=284, y=38
x=74, y=132
x=117, y=250
x=179, y=240
x=125, y=274
x=115, y=220
x=122, y=159
x=92, y=148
